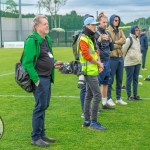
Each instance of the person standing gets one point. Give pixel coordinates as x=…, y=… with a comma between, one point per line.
x=116, y=60
x=91, y=66
x=144, y=47
x=105, y=45
x=38, y=61
x=132, y=62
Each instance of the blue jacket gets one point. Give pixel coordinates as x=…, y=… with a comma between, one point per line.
x=144, y=42
x=104, y=46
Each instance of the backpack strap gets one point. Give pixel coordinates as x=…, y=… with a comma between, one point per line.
x=131, y=42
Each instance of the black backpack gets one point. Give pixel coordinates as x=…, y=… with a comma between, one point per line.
x=131, y=42
x=21, y=76
x=75, y=45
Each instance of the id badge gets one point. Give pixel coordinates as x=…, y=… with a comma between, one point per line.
x=50, y=55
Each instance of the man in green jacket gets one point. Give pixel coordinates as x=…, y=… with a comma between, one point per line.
x=38, y=61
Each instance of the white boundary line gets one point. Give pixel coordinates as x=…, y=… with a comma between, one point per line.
x=6, y=74
x=25, y=96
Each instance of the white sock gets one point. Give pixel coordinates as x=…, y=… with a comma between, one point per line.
x=104, y=101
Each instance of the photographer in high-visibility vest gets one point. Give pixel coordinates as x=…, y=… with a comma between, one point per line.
x=91, y=67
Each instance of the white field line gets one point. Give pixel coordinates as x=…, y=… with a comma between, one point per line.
x=25, y=96
x=6, y=74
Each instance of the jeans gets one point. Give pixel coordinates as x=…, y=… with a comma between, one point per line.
x=144, y=58
x=82, y=96
x=116, y=66
x=132, y=73
x=42, y=95
x=92, y=92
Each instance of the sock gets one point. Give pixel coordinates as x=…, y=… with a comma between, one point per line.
x=104, y=101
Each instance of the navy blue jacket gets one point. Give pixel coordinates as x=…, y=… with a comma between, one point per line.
x=144, y=42
x=104, y=46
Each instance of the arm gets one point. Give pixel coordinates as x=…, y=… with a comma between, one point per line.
x=29, y=58
x=122, y=39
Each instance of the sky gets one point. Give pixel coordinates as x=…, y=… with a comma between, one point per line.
x=128, y=10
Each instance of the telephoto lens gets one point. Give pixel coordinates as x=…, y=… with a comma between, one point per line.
x=81, y=81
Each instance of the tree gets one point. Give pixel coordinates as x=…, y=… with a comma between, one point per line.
x=52, y=7
x=11, y=7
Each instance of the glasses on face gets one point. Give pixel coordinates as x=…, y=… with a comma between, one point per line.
x=116, y=20
x=137, y=30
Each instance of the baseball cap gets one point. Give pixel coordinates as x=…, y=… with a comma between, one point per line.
x=90, y=20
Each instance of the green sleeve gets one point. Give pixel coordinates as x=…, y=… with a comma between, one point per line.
x=29, y=58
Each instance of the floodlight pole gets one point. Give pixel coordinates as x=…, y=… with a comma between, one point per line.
x=1, y=25
x=20, y=22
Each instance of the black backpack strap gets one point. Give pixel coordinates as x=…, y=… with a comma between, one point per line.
x=131, y=42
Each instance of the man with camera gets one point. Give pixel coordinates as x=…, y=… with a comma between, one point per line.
x=91, y=67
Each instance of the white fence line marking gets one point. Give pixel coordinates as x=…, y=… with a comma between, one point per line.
x=6, y=74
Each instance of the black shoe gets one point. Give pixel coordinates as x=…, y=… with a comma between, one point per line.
x=106, y=106
x=130, y=98
x=86, y=124
x=47, y=139
x=40, y=143
x=137, y=98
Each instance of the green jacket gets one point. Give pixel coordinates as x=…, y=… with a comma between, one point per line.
x=31, y=54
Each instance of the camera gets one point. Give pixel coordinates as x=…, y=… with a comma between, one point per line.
x=81, y=81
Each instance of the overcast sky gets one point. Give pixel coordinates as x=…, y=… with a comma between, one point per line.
x=128, y=10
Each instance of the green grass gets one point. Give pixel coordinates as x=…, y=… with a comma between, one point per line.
x=128, y=126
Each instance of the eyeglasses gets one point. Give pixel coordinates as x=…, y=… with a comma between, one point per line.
x=116, y=20
x=137, y=30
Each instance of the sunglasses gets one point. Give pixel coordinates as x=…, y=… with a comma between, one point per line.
x=116, y=20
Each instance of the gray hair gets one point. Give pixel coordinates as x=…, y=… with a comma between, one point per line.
x=36, y=21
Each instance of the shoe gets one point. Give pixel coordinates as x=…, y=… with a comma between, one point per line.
x=120, y=101
x=82, y=115
x=40, y=143
x=123, y=87
x=86, y=124
x=144, y=69
x=47, y=139
x=97, y=126
x=106, y=106
x=137, y=98
x=110, y=102
x=130, y=98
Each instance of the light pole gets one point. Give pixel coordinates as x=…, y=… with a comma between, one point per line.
x=1, y=25
x=20, y=21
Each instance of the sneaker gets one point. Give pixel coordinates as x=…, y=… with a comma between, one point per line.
x=47, y=139
x=97, y=126
x=40, y=143
x=123, y=87
x=82, y=115
x=144, y=69
x=107, y=107
x=120, y=101
x=137, y=98
x=110, y=102
x=130, y=98
x=86, y=124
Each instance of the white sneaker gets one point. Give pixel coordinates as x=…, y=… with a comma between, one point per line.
x=82, y=115
x=110, y=102
x=120, y=101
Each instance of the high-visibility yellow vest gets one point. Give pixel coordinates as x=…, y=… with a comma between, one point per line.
x=88, y=67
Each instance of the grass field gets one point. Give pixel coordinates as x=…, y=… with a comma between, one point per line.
x=128, y=126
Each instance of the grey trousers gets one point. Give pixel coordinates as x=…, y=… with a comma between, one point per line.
x=92, y=92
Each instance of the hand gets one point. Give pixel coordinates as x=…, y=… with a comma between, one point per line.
x=100, y=67
x=99, y=39
x=37, y=83
x=58, y=64
x=106, y=37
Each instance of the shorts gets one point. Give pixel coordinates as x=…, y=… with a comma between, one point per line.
x=104, y=76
